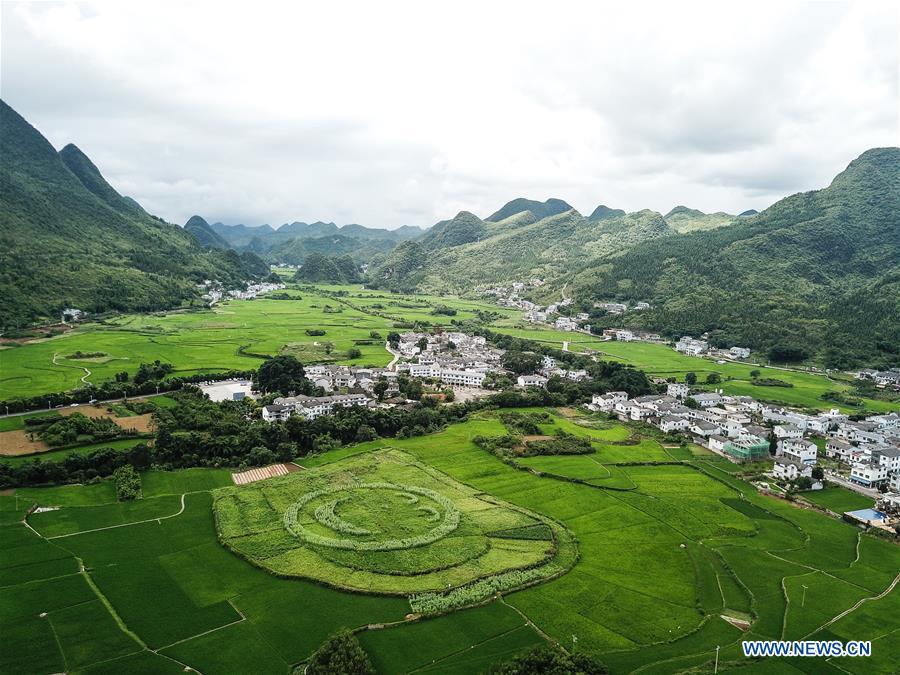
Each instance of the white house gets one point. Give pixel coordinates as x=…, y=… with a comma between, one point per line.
x=670, y=423
x=717, y=442
x=465, y=378
x=868, y=473
x=690, y=346
x=525, y=381
x=707, y=400
x=783, y=431
x=623, y=335
x=678, y=389
x=798, y=450
x=608, y=400
x=838, y=449
x=705, y=429
x=276, y=413
x=786, y=469
x=739, y=352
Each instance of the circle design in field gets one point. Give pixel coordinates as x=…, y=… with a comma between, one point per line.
x=434, y=508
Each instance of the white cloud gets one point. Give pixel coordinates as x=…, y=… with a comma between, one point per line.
x=403, y=113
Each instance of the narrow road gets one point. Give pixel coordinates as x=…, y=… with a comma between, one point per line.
x=396, y=355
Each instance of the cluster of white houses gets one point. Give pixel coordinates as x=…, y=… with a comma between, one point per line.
x=311, y=407
x=740, y=427
x=214, y=291
x=453, y=358
x=883, y=379
x=698, y=346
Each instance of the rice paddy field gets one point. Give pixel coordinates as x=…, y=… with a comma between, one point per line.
x=223, y=338
x=666, y=549
x=232, y=335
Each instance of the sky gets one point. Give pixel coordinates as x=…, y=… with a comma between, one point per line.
x=404, y=113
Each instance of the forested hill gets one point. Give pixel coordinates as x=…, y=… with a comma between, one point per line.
x=817, y=270
x=68, y=239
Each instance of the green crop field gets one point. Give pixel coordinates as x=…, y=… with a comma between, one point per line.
x=228, y=335
x=214, y=340
x=100, y=587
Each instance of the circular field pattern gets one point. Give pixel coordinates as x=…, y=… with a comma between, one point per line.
x=383, y=522
x=421, y=516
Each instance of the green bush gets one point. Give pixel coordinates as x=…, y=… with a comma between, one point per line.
x=128, y=483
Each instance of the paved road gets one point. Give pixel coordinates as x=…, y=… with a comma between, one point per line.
x=78, y=405
x=843, y=482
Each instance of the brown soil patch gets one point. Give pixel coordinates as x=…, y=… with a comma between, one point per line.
x=142, y=423
x=87, y=411
x=568, y=412
x=536, y=437
x=16, y=442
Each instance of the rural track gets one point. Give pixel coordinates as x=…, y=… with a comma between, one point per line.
x=84, y=378
x=113, y=527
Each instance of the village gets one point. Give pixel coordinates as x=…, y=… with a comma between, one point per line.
x=863, y=455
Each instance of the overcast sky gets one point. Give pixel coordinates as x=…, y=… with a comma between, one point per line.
x=394, y=113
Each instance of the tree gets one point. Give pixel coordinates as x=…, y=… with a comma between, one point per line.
x=422, y=344
x=713, y=378
x=353, y=353
x=787, y=354
x=818, y=473
x=449, y=395
x=380, y=388
x=521, y=363
x=690, y=378
x=283, y=375
x=804, y=483
x=260, y=455
x=755, y=374
x=549, y=661
x=413, y=390
x=394, y=338
x=691, y=402
x=365, y=433
x=342, y=654
x=374, y=334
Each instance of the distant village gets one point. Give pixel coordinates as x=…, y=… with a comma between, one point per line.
x=213, y=291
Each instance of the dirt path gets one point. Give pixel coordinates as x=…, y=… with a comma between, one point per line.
x=84, y=378
x=859, y=604
x=113, y=527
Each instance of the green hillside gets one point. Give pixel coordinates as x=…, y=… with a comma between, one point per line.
x=541, y=210
x=293, y=242
x=204, y=234
x=556, y=248
x=819, y=270
x=603, y=212
x=682, y=219
x=465, y=228
x=70, y=240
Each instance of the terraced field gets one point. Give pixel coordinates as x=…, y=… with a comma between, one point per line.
x=96, y=586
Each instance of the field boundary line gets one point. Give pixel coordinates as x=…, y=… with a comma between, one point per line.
x=109, y=608
x=58, y=643
x=466, y=649
x=136, y=522
x=242, y=619
x=858, y=604
x=531, y=623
